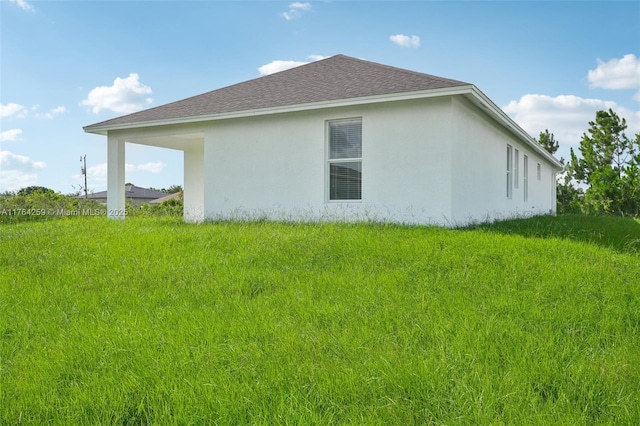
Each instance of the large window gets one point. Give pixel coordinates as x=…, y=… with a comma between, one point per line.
x=345, y=160
x=509, y=171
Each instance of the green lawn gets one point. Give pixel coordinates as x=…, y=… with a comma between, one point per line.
x=153, y=321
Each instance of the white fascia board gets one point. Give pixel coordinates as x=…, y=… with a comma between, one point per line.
x=499, y=115
x=450, y=91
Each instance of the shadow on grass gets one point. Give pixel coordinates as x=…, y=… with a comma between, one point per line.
x=617, y=233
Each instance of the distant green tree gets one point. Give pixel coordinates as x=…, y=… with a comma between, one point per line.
x=171, y=190
x=548, y=142
x=34, y=190
x=568, y=197
x=609, y=166
x=631, y=180
x=174, y=188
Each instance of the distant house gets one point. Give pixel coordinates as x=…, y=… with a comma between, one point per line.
x=132, y=193
x=167, y=197
x=342, y=139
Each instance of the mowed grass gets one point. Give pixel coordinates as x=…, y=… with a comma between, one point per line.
x=153, y=321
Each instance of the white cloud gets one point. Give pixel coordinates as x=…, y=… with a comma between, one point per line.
x=12, y=109
x=19, y=111
x=295, y=10
x=126, y=95
x=278, y=65
x=10, y=135
x=300, y=6
x=566, y=116
x=405, y=41
x=617, y=73
x=156, y=167
x=23, y=5
x=55, y=111
x=19, y=162
x=18, y=171
x=99, y=171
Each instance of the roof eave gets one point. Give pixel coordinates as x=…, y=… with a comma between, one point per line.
x=499, y=115
x=448, y=91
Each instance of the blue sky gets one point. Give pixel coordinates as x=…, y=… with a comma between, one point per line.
x=67, y=64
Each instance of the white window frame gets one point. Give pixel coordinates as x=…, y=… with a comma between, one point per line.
x=509, y=171
x=539, y=171
x=525, y=178
x=329, y=161
x=516, y=168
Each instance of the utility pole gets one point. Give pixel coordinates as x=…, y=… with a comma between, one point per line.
x=83, y=160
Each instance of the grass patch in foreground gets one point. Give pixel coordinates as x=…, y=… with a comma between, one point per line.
x=153, y=321
x=621, y=234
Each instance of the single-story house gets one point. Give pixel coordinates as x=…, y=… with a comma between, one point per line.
x=132, y=193
x=167, y=197
x=342, y=139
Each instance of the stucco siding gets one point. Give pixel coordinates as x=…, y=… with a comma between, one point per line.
x=438, y=160
x=480, y=170
x=193, y=195
x=406, y=161
x=264, y=166
x=276, y=166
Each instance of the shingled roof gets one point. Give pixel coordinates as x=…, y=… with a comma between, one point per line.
x=336, y=78
x=133, y=192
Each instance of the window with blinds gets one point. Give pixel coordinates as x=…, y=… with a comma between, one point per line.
x=345, y=160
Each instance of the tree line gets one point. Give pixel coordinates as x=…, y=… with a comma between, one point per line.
x=605, y=177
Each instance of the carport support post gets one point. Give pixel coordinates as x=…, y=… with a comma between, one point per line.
x=115, y=178
x=193, y=195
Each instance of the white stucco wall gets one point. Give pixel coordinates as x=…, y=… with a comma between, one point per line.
x=437, y=160
x=429, y=161
x=480, y=170
x=193, y=195
x=275, y=166
x=116, y=207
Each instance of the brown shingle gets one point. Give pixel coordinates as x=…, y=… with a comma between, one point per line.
x=335, y=78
